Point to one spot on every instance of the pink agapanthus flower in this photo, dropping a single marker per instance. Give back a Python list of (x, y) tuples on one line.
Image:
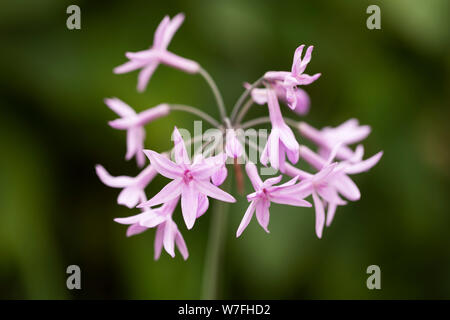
[(190, 180), (167, 233), (290, 80), (265, 193), (148, 60), (281, 141), (347, 133), (133, 187), (134, 124)]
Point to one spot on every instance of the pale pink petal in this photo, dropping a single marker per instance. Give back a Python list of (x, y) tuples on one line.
[(130, 196), (271, 181), (189, 204), (145, 74), (133, 219), (110, 181), (135, 229), (129, 66), (172, 27), (252, 173), (170, 230), (364, 165), (203, 204), (330, 213), (212, 191), (306, 79), (163, 165), (169, 192), (320, 215), (159, 241), (160, 32), (347, 187), (151, 221), (246, 219), (180, 153), (119, 107), (292, 200), (219, 176), (262, 213), (181, 245), (178, 62)]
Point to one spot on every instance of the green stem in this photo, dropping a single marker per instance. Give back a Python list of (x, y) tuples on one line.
[(214, 251), (216, 92)]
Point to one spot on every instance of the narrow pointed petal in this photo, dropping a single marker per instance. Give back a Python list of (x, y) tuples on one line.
[(203, 204), (347, 187), (160, 32), (130, 197), (219, 176), (163, 165), (133, 219), (170, 230), (330, 213), (246, 219), (135, 229), (119, 107), (364, 165), (178, 62), (212, 191), (189, 204), (169, 192), (252, 173), (181, 245), (145, 74), (262, 214), (159, 241), (171, 29), (320, 215), (180, 153), (291, 200), (110, 181)]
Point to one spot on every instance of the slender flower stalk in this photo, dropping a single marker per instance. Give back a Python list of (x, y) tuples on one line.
[(204, 175)]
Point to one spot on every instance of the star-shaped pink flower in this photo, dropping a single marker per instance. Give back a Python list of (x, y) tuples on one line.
[(133, 187), (290, 80), (190, 180), (265, 193), (134, 124), (148, 60), (167, 233)]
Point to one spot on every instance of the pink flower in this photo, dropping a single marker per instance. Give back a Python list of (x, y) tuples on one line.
[(265, 193), (348, 133), (190, 180), (330, 181), (290, 80), (167, 233), (134, 124), (148, 60), (233, 146), (301, 107), (281, 141), (133, 187)]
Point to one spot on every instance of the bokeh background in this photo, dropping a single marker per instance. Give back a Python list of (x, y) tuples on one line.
[(54, 211)]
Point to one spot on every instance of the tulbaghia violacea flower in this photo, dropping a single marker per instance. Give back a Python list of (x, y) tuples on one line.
[(134, 124), (290, 80), (167, 233), (348, 133), (190, 180), (302, 104), (328, 183), (133, 187), (281, 141), (233, 147), (265, 193), (148, 60)]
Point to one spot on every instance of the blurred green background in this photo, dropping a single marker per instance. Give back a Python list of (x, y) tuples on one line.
[(54, 211)]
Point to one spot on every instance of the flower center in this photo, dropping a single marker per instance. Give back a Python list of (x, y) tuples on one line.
[(187, 176)]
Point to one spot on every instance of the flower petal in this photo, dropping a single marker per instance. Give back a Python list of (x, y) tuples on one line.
[(135, 229), (212, 191), (364, 165), (119, 107), (159, 241), (170, 229), (181, 245), (262, 213), (189, 204), (169, 192), (163, 165), (110, 181), (246, 219), (320, 215)]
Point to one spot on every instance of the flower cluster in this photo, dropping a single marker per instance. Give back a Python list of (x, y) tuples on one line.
[(198, 177)]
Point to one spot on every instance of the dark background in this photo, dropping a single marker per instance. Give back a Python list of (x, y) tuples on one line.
[(53, 130)]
